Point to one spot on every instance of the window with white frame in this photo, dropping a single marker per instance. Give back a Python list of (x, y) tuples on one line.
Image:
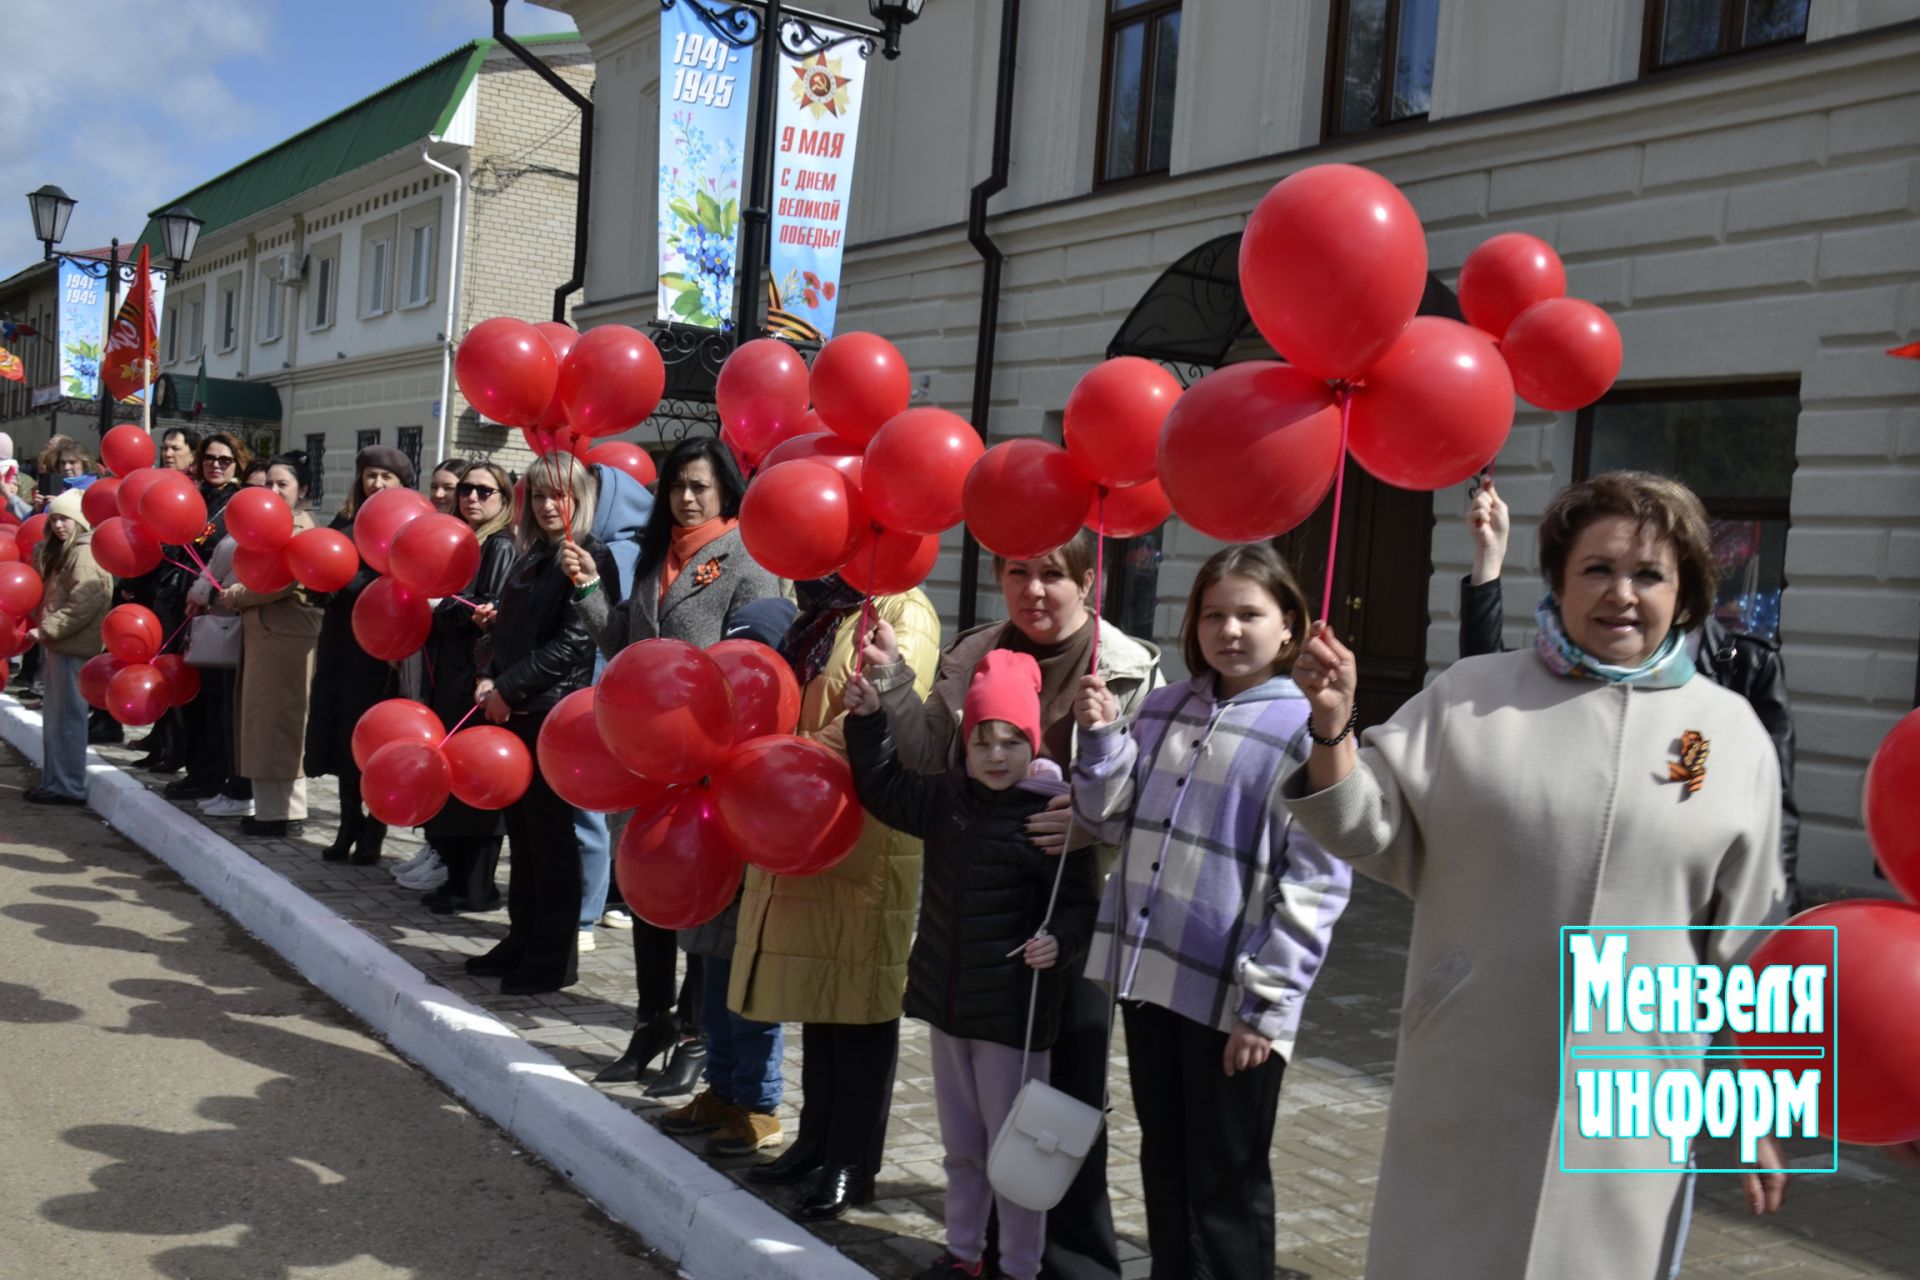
[(325, 284), (377, 242), (419, 265), (196, 334), (172, 327), (271, 300), (229, 313)]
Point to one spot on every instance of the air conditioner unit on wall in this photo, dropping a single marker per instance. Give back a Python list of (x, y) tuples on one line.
[(289, 268)]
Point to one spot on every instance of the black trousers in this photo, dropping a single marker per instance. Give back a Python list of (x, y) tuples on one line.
[(471, 864), (207, 725), (846, 1077), (1204, 1148), (543, 895), (1080, 1240), (656, 957)]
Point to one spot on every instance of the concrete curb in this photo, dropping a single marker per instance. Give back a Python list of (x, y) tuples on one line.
[(691, 1213)]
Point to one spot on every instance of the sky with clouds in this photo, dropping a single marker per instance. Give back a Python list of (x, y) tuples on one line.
[(126, 104)]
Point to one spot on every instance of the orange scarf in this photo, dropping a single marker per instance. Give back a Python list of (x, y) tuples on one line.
[(687, 542)]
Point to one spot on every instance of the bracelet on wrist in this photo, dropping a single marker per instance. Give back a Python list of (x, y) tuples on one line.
[(1343, 735)]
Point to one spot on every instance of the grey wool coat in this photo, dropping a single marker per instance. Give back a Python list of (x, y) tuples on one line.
[(1508, 801)]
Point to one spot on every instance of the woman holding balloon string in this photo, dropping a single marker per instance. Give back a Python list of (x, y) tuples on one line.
[(75, 597), (346, 679), (206, 722), (1048, 618), (163, 589), (541, 651), (1595, 780), (279, 630), (468, 839), (693, 575)]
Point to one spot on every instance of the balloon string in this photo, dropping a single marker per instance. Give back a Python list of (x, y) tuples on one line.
[(175, 636), (868, 615), (1345, 396), (463, 722), (201, 572), (1099, 571), (463, 600)]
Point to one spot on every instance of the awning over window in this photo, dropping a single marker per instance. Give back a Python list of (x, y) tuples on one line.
[(226, 398)]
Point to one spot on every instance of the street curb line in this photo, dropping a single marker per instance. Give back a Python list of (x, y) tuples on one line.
[(711, 1227)]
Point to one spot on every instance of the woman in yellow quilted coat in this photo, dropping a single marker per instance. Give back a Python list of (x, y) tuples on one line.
[(830, 950)]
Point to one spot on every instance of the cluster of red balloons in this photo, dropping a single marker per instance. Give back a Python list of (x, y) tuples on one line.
[(1872, 998), (700, 744), (20, 593), (133, 681), (420, 555), (410, 764)]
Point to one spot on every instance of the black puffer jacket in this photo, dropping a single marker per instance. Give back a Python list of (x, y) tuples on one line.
[(347, 680), (453, 653), (1746, 665), (541, 649), (984, 890)]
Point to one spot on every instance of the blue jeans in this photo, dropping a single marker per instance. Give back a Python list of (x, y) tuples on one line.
[(596, 864), (63, 727), (743, 1056)]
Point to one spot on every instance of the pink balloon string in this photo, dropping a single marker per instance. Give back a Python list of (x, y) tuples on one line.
[(868, 614), (1099, 572), (463, 600), (463, 722), (201, 572), (175, 636), (1344, 394)]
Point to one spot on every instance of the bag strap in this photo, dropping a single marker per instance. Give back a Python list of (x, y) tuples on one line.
[(1033, 997)]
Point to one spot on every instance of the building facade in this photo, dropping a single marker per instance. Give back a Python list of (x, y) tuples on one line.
[(1741, 194)]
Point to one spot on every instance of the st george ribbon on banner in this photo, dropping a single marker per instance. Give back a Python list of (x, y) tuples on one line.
[(704, 91), (816, 128)]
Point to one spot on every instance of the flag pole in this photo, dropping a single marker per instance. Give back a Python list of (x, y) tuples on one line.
[(147, 371)]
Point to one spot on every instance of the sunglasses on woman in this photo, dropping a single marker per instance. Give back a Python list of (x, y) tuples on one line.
[(219, 459), (480, 491)]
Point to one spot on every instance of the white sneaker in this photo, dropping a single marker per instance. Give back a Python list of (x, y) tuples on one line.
[(586, 940), (617, 919), (225, 807), (430, 876), (210, 801), (416, 862)]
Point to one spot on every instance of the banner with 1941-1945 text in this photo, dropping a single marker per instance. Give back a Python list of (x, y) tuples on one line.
[(704, 92)]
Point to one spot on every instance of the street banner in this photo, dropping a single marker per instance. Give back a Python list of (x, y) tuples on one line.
[(704, 83), (83, 325), (816, 128), (132, 356)]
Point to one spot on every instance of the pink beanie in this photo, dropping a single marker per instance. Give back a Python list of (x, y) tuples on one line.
[(1006, 686)]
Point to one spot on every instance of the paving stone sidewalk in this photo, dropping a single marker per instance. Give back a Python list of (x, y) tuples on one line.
[(1862, 1221)]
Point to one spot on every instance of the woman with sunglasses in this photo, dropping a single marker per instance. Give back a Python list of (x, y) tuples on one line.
[(468, 839)]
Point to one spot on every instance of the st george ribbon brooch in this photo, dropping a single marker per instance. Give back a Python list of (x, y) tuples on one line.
[(1691, 767)]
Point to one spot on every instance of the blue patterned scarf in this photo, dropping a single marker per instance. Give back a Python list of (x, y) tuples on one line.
[(1670, 666)]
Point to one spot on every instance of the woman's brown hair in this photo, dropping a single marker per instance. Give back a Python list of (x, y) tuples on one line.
[(1076, 557), (502, 520), (1657, 505), (242, 457), (1261, 565)]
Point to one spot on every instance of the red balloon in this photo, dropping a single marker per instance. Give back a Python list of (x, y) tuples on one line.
[(258, 519), (1435, 409), (560, 337), (394, 720), (132, 633), (1890, 805), (1505, 276), (100, 502), (802, 519), (625, 456), (21, 589), (578, 766), (766, 696), (12, 635), (405, 783), (389, 621), (860, 380), (262, 571), (435, 556), (1564, 353), (1025, 498), (126, 449), (124, 548), (490, 766), (173, 510), (183, 681), (1870, 1009), (132, 490), (137, 694), (675, 867), (761, 395), (788, 805), (1129, 512), (28, 535), (916, 470), (887, 563), (1113, 419), (1333, 264), (96, 675), (322, 559), (9, 548), (664, 710), (506, 370), (611, 380), (838, 452), (1249, 450), (380, 519)]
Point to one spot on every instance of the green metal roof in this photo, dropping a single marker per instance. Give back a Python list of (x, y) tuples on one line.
[(405, 112)]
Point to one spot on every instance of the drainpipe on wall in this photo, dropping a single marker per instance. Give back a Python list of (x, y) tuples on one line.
[(453, 291), (585, 193), (994, 183)]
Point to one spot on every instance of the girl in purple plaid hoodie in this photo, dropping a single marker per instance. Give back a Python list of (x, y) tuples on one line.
[(1218, 918)]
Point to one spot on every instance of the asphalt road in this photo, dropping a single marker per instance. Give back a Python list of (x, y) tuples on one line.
[(175, 1101)]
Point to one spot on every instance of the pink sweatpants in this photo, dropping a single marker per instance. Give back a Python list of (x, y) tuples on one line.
[(974, 1083)]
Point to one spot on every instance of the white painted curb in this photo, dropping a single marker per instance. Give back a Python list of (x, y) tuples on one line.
[(688, 1211)]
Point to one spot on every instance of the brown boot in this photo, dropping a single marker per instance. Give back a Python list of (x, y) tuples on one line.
[(707, 1111), (744, 1133)]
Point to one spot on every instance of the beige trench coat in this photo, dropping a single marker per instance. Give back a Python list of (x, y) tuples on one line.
[(1507, 801), (278, 635)]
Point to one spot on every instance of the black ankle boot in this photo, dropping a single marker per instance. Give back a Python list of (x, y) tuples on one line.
[(838, 1189), (343, 839), (682, 1071), (650, 1040), (795, 1164), (366, 848)]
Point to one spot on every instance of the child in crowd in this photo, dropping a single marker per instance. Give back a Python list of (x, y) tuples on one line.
[(77, 596), (1216, 923), (984, 929)]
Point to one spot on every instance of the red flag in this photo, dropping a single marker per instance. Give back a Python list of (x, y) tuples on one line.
[(133, 348), (10, 366)]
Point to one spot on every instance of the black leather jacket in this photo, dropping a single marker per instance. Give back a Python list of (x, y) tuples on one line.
[(541, 649), (1747, 665)]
